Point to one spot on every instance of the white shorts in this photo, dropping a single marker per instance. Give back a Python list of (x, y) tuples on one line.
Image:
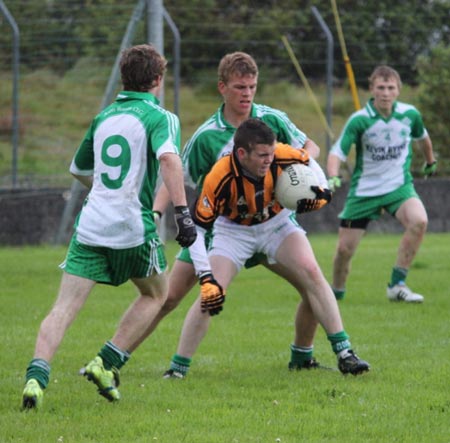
[(239, 242)]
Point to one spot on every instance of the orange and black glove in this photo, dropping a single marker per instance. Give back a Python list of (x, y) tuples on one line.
[(323, 197), (211, 293)]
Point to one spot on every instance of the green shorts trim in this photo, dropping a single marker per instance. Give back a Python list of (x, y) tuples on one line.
[(185, 256), (372, 207), (255, 260), (115, 266)]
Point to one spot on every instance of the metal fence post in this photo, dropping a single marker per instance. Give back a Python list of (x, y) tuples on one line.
[(15, 91), (330, 64), (77, 188)]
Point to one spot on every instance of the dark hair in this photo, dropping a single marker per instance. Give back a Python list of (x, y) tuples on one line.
[(253, 132), (140, 67)]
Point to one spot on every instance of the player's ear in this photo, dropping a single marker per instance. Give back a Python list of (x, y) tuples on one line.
[(240, 152), (221, 87), (156, 86)]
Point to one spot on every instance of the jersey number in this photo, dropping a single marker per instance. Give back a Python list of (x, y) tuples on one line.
[(122, 160)]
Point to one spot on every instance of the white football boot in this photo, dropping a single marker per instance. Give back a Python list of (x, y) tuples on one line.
[(401, 292)]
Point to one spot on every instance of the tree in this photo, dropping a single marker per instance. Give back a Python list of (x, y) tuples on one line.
[(389, 32), (56, 34), (47, 34), (434, 79)]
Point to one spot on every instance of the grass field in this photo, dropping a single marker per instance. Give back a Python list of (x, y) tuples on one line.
[(239, 389)]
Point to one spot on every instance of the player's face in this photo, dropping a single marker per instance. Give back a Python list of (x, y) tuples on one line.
[(384, 92), (238, 94), (257, 162)]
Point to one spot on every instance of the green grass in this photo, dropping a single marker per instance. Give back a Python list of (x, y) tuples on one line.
[(239, 388)]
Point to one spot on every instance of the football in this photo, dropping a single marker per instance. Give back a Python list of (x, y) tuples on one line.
[(294, 183)]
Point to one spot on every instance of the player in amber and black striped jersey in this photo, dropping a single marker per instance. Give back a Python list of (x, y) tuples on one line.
[(231, 191), (237, 84), (238, 198)]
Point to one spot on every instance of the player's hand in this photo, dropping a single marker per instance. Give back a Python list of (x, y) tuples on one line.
[(323, 196), (186, 231), (429, 169), (334, 182), (157, 218), (211, 293)]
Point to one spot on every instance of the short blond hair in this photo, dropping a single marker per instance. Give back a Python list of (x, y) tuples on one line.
[(385, 72), (239, 63)]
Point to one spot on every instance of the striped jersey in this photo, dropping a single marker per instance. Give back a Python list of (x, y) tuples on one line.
[(383, 148), (230, 192), (214, 139), (121, 150)]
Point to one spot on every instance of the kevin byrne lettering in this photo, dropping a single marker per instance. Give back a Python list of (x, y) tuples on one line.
[(380, 153)]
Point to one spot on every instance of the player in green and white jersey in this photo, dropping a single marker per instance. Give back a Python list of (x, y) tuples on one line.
[(237, 83), (382, 133), (214, 139), (121, 151), (115, 237)]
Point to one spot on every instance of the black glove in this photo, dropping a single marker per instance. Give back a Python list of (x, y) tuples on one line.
[(323, 196), (186, 231), (211, 293)]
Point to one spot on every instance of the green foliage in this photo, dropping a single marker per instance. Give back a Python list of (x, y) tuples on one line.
[(239, 389), (57, 33), (375, 32), (388, 32), (54, 36), (434, 93)]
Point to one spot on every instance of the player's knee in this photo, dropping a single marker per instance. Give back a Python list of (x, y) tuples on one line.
[(155, 298), (172, 301), (313, 272), (419, 225), (344, 251)]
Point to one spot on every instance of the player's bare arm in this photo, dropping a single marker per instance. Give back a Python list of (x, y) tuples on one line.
[(171, 170), (162, 199), (426, 146), (312, 148), (333, 165)]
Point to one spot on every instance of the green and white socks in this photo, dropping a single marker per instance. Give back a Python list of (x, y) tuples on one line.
[(398, 276), (180, 364), (300, 355), (113, 356), (39, 369), (339, 293), (340, 343)]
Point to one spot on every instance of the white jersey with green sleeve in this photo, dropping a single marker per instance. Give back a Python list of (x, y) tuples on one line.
[(121, 150), (383, 148), (214, 139)]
